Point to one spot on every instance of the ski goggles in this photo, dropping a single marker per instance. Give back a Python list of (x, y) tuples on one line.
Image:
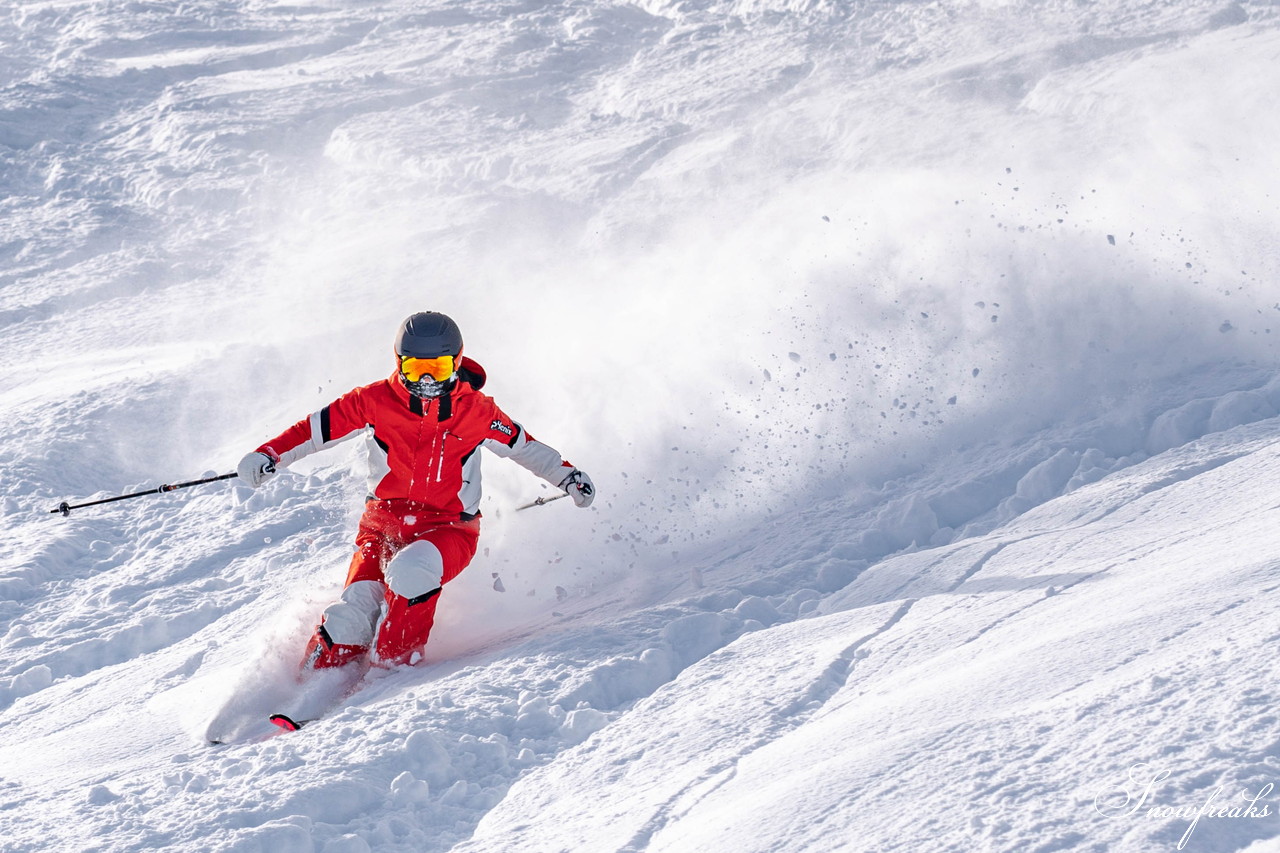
[(416, 369)]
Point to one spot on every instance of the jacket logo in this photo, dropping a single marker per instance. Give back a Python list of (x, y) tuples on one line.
[(502, 428)]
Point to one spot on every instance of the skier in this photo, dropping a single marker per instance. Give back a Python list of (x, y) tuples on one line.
[(421, 520)]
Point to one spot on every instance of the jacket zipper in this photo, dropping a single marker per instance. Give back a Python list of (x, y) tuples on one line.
[(444, 434), (417, 450)]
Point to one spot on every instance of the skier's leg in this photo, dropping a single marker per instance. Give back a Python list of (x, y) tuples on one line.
[(415, 576), (405, 628), (346, 630)]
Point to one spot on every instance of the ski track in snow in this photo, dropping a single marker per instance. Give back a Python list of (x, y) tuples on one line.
[(923, 355)]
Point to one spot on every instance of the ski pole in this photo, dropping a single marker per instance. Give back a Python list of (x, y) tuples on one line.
[(541, 501), (65, 508)]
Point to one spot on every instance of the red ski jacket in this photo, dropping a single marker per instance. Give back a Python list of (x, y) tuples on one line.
[(422, 450)]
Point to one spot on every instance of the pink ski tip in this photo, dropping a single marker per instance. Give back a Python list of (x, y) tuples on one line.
[(285, 723)]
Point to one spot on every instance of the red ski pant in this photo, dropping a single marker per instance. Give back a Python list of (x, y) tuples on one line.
[(386, 527)]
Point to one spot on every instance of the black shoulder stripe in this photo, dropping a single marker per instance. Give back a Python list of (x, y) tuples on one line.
[(325, 432), (515, 436)]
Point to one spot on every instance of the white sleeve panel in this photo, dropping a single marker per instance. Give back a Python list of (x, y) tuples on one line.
[(542, 459), (314, 442)]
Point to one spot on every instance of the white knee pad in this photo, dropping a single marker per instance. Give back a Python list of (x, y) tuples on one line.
[(349, 621), (415, 570)]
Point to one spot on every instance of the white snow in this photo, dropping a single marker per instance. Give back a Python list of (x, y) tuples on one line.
[(924, 356)]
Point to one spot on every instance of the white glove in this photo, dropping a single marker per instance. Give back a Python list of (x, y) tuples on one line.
[(579, 487), (255, 468)]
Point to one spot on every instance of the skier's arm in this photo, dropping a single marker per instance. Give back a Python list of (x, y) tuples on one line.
[(508, 439), (322, 429)]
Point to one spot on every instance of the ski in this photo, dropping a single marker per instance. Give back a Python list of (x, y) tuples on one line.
[(280, 723), (257, 711), (287, 723)]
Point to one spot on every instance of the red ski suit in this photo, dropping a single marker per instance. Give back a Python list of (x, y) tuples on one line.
[(424, 486)]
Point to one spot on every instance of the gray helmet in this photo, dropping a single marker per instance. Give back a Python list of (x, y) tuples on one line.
[(429, 334)]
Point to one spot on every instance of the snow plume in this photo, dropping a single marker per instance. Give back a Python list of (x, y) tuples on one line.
[(719, 305)]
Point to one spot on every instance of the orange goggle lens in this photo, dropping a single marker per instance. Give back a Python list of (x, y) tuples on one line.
[(414, 369)]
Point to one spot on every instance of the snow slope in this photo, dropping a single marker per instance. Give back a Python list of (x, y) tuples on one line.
[(923, 355)]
